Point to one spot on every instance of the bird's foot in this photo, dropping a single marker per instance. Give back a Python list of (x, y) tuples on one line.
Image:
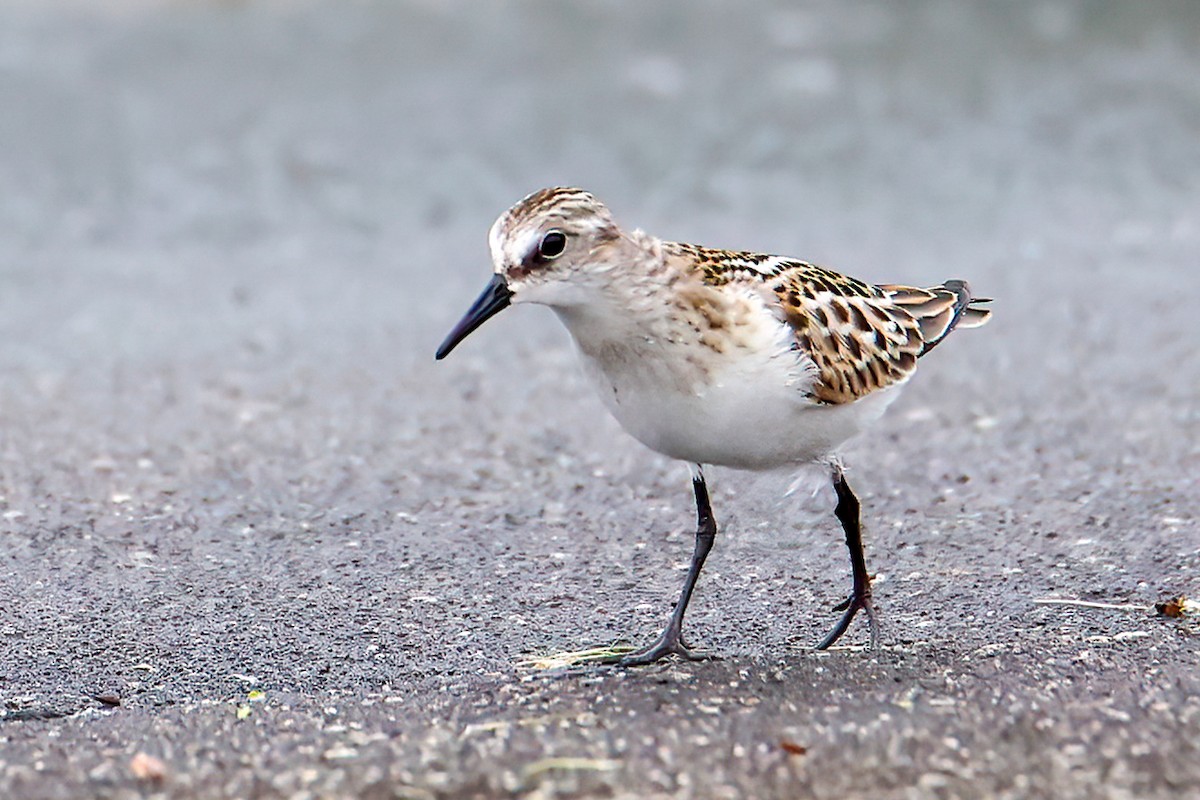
[(668, 644), (858, 600)]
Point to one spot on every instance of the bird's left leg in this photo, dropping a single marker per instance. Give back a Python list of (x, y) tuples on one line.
[(671, 640), (847, 512)]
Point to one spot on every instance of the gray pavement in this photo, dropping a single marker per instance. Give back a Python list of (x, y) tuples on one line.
[(238, 496)]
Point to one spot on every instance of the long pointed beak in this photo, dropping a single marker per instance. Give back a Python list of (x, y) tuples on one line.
[(495, 298)]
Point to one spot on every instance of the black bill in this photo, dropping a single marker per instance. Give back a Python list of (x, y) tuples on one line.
[(495, 298)]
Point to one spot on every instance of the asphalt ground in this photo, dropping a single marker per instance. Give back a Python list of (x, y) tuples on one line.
[(254, 542)]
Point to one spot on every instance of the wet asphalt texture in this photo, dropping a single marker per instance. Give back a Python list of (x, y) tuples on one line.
[(250, 529)]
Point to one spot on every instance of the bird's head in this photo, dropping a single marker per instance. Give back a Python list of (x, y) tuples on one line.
[(550, 248)]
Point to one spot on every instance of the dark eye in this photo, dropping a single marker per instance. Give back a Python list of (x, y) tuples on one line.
[(552, 245)]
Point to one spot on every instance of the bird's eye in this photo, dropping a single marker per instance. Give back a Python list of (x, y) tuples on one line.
[(552, 245)]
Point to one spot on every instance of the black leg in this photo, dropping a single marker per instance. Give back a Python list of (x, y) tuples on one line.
[(847, 512), (671, 640)]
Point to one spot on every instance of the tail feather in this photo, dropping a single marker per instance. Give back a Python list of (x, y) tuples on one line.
[(973, 316), (940, 309)]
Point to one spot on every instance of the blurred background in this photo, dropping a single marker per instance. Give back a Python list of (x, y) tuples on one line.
[(219, 179), (215, 211)]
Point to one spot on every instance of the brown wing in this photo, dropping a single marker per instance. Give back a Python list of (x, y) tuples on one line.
[(861, 337), (864, 338)]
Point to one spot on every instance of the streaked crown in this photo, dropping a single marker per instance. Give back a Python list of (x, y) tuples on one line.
[(546, 234)]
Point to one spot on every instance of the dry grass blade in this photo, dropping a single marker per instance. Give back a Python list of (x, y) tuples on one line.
[(1057, 601), (545, 765), (1174, 607), (573, 658)]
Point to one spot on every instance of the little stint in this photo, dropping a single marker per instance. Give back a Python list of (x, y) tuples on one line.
[(716, 357)]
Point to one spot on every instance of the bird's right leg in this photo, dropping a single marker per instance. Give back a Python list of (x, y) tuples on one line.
[(847, 512)]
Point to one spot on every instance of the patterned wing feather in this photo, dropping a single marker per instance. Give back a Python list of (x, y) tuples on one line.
[(861, 337), (860, 342)]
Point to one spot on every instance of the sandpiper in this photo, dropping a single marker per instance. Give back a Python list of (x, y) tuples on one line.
[(716, 357)]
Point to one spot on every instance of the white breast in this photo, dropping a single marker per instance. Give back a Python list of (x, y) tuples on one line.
[(738, 399)]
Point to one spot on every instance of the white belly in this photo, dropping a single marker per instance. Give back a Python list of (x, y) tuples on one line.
[(744, 409)]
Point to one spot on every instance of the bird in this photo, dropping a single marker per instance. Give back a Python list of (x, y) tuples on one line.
[(719, 358)]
